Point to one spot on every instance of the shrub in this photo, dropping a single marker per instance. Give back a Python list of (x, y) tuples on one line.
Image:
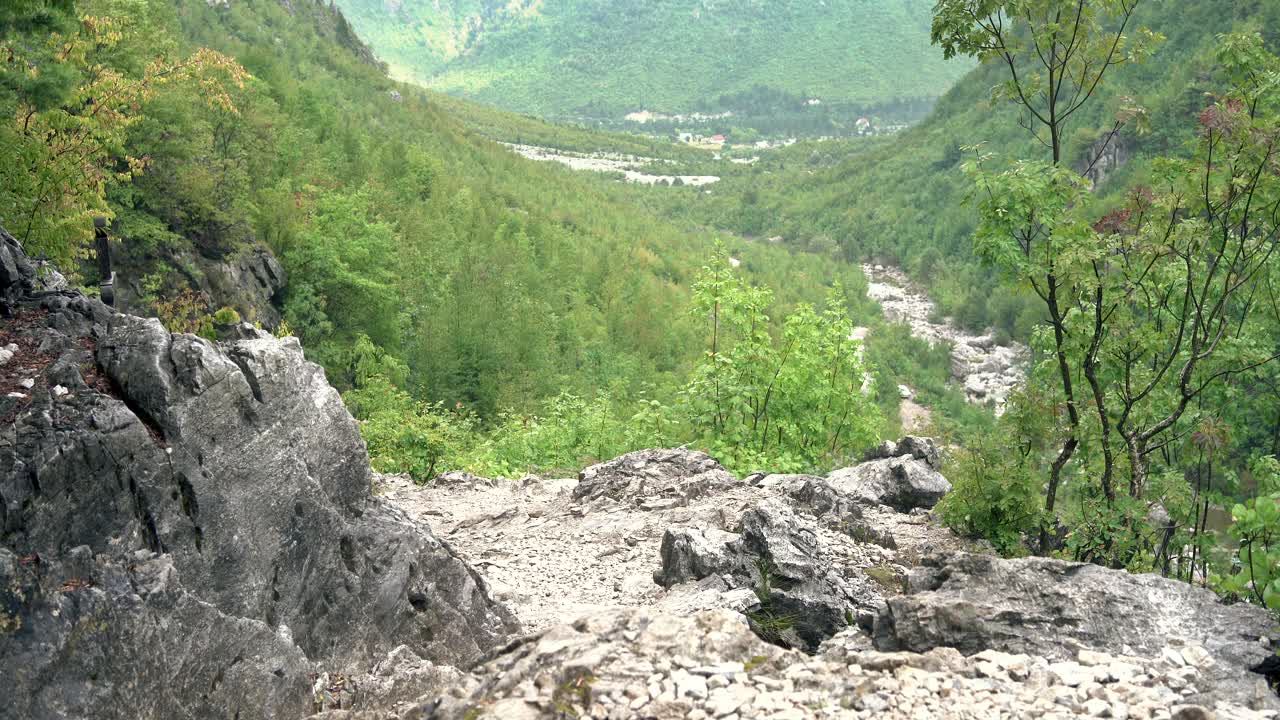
[(995, 493), (1256, 527), (226, 316)]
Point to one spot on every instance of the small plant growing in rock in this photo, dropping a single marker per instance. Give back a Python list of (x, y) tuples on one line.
[(771, 626), (886, 577), (226, 316), (572, 693), (9, 623)]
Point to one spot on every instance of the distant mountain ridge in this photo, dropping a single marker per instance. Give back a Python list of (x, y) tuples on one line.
[(602, 58)]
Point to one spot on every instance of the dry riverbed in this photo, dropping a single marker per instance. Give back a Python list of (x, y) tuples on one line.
[(632, 167), (986, 370)]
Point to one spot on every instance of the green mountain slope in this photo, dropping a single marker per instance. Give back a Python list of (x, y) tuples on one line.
[(604, 59), (903, 199), (417, 249)]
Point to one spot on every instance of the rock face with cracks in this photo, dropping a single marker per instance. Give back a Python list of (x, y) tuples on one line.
[(187, 529), (904, 482), (1057, 609)]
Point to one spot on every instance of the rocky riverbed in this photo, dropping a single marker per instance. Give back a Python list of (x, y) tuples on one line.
[(629, 165), (986, 370)]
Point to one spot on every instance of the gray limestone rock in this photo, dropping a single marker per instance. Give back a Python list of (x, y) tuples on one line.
[(226, 540), (690, 554), (1055, 608), (903, 483), (648, 475), (17, 275), (802, 596)]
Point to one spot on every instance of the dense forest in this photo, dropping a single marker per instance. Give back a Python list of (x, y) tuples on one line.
[(599, 60)]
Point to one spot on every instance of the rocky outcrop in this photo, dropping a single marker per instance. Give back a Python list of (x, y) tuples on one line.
[(902, 475), (692, 553), (650, 665), (788, 562), (1105, 156), (17, 276), (655, 477), (1059, 610), (187, 529), (802, 593), (249, 281), (920, 448)]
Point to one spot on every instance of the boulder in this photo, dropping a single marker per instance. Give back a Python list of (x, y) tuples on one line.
[(797, 584), (815, 496), (204, 513), (690, 554), (920, 448), (17, 275), (903, 483), (801, 596), (647, 475), (1057, 609)]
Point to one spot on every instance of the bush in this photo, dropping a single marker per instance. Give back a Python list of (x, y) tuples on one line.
[(995, 495), (226, 316), (1256, 527), (408, 436)]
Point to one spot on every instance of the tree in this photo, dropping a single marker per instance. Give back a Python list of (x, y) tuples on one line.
[(1057, 53), (791, 402), (1152, 306), (72, 97)]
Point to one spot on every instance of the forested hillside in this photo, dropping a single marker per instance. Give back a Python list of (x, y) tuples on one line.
[(451, 287), (904, 199), (603, 59)]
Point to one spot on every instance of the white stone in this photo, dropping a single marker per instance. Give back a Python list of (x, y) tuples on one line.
[(1172, 657), (1070, 673), (875, 703), (1122, 671), (1196, 656), (691, 686), (727, 700), (1090, 658)]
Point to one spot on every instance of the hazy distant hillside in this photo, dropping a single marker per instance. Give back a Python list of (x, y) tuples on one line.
[(604, 58), (902, 199)]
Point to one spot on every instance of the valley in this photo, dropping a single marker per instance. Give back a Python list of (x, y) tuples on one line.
[(706, 359), (811, 67)]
